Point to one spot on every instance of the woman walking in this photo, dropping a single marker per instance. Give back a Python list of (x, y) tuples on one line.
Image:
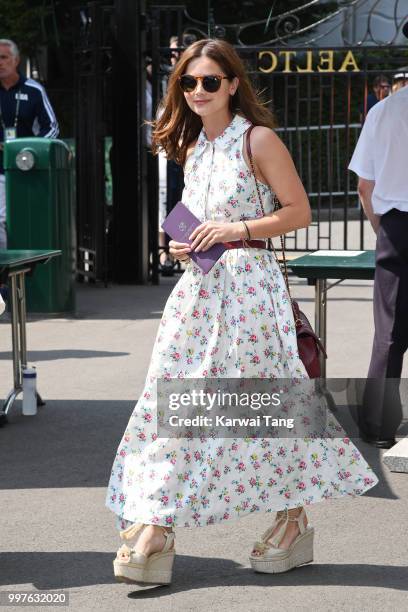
[(236, 321)]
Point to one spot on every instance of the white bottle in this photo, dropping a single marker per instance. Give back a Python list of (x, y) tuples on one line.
[(29, 392)]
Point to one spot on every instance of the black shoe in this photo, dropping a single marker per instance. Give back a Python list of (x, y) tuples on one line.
[(376, 441), (167, 268)]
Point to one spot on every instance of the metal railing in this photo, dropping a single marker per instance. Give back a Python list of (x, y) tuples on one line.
[(301, 140), (321, 154)]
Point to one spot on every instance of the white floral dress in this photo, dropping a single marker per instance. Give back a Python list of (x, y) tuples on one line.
[(236, 321)]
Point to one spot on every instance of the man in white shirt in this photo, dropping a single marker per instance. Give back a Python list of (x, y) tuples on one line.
[(381, 162)]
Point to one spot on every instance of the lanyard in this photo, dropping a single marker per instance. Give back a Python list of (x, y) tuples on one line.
[(16, 115)]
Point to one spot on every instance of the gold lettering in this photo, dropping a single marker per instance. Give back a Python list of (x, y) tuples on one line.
[(328, 60), (287, 55), (349, 60), (274, 61), (309, 65)]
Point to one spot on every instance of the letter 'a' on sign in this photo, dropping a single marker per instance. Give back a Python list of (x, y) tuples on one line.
[(349, 60)]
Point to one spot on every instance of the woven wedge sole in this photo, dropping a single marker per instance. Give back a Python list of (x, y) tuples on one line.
[(276, 561)]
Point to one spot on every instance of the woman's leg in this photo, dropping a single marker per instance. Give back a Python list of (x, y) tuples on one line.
[(151, 539), (291, 532)]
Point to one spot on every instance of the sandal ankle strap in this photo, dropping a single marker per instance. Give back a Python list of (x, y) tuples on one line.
[(299, 520), (169, 540), (280, 515)]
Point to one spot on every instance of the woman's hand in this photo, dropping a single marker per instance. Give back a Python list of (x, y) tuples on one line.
[(209, 233), (179, 250)]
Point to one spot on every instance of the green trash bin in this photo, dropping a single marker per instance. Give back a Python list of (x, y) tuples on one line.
[(40, 215)]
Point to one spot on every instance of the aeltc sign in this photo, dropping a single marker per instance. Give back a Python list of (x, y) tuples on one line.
[(311, 61)]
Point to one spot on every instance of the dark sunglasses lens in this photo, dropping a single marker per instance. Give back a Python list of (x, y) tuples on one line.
[(211, 83), (188, 83)]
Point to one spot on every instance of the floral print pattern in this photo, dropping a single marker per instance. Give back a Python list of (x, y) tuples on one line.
[(236, 321)]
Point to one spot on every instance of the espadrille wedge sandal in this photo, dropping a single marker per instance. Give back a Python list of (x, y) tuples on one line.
[(132, 566), (273, 560)]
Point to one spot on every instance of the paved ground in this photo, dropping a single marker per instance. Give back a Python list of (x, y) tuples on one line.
[(57, 534)]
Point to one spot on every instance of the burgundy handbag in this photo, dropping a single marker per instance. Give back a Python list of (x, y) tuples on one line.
[(309, 344)]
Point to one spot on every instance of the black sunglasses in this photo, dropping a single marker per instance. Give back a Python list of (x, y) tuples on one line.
[(210, 82)]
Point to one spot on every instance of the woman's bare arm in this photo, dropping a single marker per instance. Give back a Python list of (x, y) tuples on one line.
[(274, 166)]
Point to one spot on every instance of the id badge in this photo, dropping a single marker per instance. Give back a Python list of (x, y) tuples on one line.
[(10, 133)]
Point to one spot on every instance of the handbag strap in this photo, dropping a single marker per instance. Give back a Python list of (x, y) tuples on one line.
[(276, 207)]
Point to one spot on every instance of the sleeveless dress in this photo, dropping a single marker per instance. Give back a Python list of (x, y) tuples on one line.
[(236, 321)]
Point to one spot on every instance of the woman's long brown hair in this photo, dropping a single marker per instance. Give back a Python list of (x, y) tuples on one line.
[(178, 126)]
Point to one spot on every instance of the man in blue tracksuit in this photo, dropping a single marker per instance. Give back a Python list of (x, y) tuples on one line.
[(25, 110)]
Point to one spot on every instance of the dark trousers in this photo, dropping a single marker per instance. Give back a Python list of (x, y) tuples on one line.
[(382, 413)]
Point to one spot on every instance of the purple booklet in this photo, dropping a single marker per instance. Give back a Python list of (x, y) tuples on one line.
[(179, 224)]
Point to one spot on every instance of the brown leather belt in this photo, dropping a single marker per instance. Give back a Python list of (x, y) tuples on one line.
[(242, 244)]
